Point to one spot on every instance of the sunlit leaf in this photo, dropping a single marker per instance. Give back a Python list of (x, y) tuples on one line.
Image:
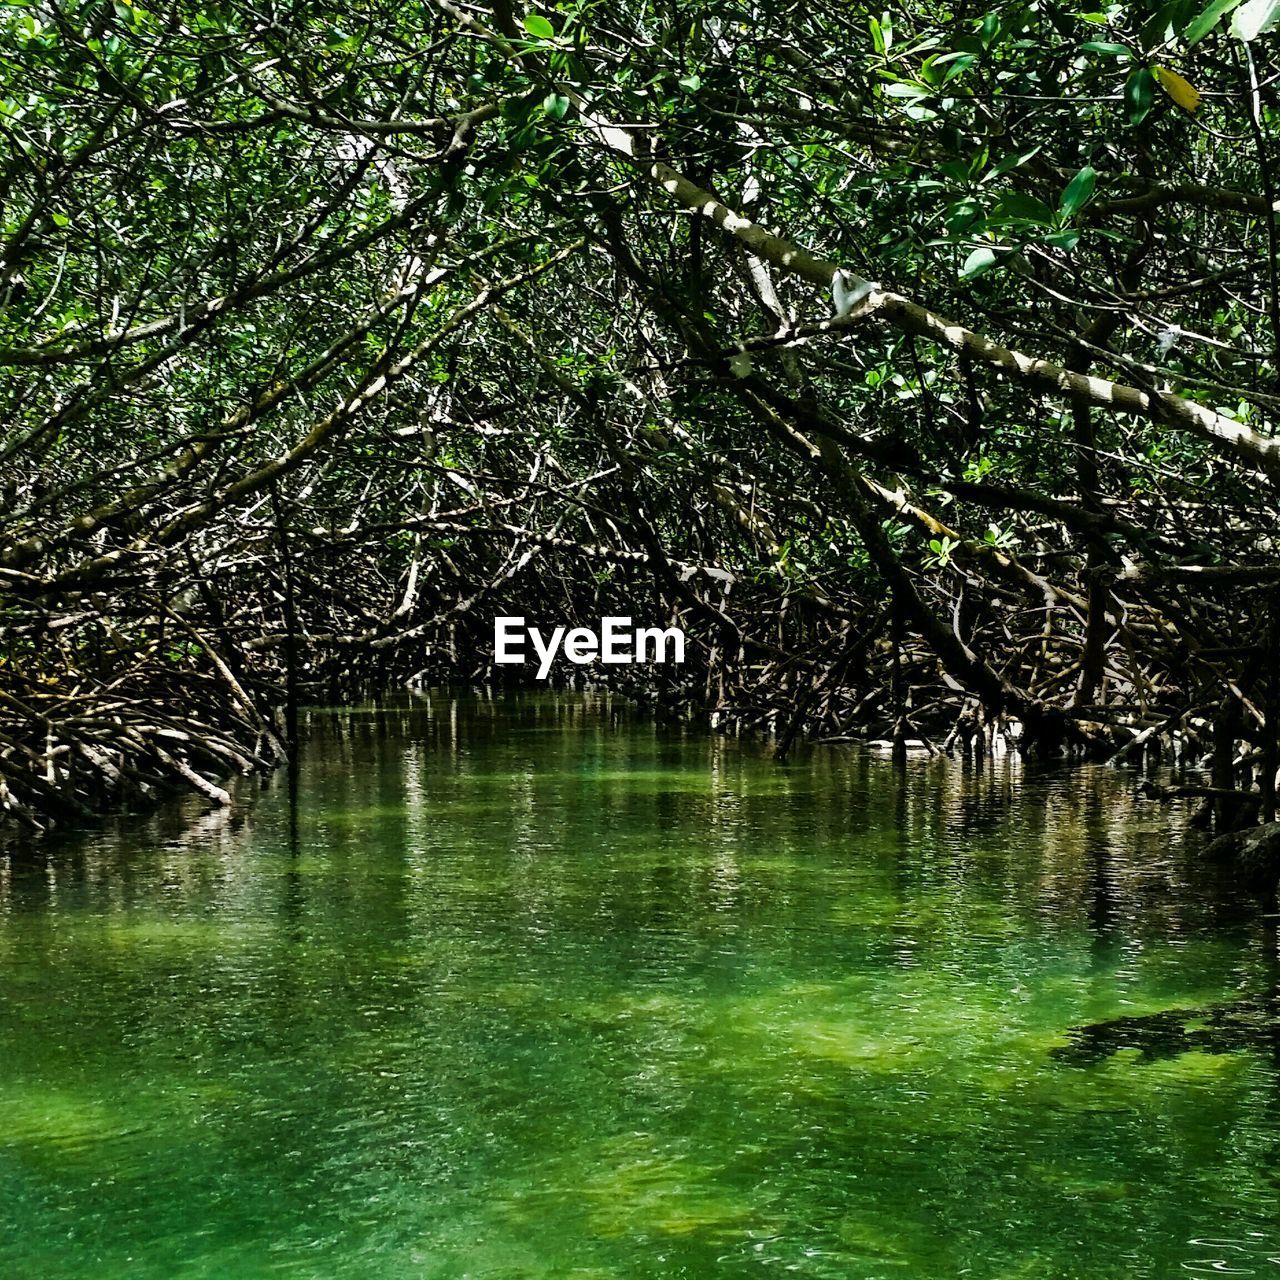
[(903, 90), (959, 66), (977, 262), (555, 105), (538, 27), (1066, 240), (1255, 17), (1186, 95), (1200, 27)]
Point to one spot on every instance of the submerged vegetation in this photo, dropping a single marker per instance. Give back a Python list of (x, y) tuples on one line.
[(527, 988), (922, 365)]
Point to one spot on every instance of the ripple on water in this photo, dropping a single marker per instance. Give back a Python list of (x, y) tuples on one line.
[(513, 992)]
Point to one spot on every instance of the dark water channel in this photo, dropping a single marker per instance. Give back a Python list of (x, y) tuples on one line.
[(533, 989)]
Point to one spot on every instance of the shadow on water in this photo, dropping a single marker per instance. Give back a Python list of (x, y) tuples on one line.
[(531, 987)]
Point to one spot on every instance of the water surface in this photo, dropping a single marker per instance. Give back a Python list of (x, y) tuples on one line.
[(531, 988)]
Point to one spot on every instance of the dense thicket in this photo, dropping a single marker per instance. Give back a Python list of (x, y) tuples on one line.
[(331, 332)]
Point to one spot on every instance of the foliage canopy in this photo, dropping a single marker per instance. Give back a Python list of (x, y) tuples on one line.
[(332, 331)]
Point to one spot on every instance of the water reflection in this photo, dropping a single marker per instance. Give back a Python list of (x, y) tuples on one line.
[(530, 987)]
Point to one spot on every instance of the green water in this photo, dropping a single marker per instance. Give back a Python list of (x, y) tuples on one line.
[(533, 989)]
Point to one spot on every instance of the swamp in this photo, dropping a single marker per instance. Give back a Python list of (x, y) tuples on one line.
[(639, 639), (529, 987)]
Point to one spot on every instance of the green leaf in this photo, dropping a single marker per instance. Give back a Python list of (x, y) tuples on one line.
[(1158, 29), (538, 27), (691, 83), (554, 106), (962, 215), (1018, 206), (1139, 93), (1110, 50), (1009, 162), (1066, 240), (904, 90), (1200, 27), (1078, 193), (977, 262)]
